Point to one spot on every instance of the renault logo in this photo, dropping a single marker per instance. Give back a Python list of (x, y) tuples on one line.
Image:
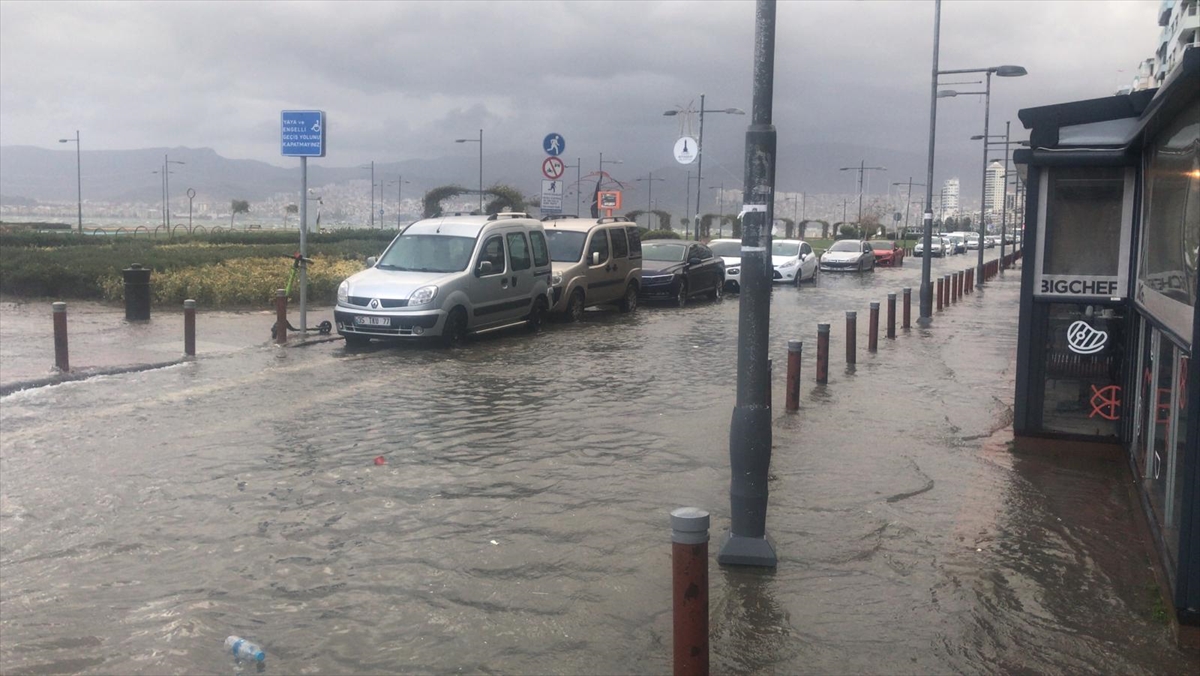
[(374, 303)]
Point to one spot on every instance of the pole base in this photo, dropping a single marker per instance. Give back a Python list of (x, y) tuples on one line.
[(739, 550)]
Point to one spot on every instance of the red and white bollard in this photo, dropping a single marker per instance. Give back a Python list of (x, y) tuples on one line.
[(689, 583)]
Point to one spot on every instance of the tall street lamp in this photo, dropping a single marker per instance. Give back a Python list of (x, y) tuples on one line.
[(649, 179), (861, 168), (78, 175), (399, 183), (578, 185), (162, 193), (1000, 71), (371, 213), (1004, 192), (167, 190), (908, 200), (700, 141), (480, 142), (600, 178)]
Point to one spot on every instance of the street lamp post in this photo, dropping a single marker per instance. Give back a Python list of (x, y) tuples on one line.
[(1004, 193), (480, 142), (78, 175), (191, 195), (721, 208), (650, 196), (576, 167), (861, 168), (700, 142), (600, 178), (167, 191), (399, 183), (908, 200)]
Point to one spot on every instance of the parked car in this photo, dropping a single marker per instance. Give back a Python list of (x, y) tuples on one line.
[(447, 277), (935, 247), (887, 252), (793, 260), (958, 243), (678, 269), (991, 241), (596, 261), (730, 251), (973, 241), (849, 254), (947, 245)]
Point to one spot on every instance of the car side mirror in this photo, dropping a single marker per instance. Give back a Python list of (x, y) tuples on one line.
[(371, 261), (485, 268), (694, 261), (595, 258)]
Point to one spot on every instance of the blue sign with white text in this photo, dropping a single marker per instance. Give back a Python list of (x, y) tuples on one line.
[(554, 144), (302, 133)]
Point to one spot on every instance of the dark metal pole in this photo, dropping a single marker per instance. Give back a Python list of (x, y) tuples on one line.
[(927, 258), (370, 216), (167, 192), (851, 337), (873, 328), (62, 360), (750, 428), (189, 328), (891, 316), (579, 185), (907, 321), (987, 102), (699, 164), (795, 347), (79, 179), (399, 189), (1004, 196), (687, 202), (481, 171), (861, 165)]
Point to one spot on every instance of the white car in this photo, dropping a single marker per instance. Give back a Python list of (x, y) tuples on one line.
[(849, 254), (793, 261), (935, 248), (730, 251)]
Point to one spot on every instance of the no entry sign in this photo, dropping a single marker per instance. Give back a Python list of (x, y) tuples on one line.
[(552, 168)]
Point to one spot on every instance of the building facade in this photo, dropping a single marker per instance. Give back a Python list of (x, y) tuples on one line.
[(1180, 22), (1108, 302), (993, 188), (950, 198)]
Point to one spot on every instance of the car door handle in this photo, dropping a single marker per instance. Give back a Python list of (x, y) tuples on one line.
[(514, 281), (503, 282)]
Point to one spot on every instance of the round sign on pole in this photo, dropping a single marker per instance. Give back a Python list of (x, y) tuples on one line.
[(552, 168), (554, 144), (685, 150)]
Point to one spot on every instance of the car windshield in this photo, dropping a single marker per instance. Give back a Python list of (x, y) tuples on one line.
[(731, 249), (663, 251), (428, 253), (785, 248), (883, 246), (566, 246), (846, 245)]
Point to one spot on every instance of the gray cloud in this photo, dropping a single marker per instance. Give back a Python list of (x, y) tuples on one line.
[(402, 80)]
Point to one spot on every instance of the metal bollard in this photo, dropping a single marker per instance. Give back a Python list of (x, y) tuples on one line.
[(962, 275), (873, 328), (137, 292), (281, 322), (946, 291), (61, 360), (770, 378), (907, 293), (851, 336), (822, 354), (938, 293), (954, 287), (795, 347), (189, 328), (971, 280), (891, 316), (689, 584)]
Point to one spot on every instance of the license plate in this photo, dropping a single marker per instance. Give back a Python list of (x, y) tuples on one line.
[(372, 321)]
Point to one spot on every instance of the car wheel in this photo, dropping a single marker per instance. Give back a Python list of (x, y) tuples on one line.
[(799, 277), (717, 291), (682, 295), (630, 302), (537, 316), (355, 340), (454, 331), (575, 306)]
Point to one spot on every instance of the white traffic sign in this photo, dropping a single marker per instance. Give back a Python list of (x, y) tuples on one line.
[(685, 150), (552, 168), (552, 197)]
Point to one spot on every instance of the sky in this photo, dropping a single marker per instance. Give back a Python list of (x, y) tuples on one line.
[(403, 80)]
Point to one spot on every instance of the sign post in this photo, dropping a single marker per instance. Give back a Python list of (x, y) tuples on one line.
[(302, 134)]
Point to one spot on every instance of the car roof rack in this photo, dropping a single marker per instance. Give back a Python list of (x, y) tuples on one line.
[(557, 217), (614, 219), (511, 214)]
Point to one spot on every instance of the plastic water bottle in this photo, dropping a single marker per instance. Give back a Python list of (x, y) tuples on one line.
[(244, 650)]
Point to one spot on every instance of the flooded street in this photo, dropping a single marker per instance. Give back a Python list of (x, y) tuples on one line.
[(519, 523)]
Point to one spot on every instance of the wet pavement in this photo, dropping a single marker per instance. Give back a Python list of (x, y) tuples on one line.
[(519, 524)]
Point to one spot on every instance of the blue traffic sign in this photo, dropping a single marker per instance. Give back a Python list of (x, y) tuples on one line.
[(302, 133), (554, 144)]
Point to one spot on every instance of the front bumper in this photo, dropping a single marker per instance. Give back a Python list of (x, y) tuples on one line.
[(659, 286), (833, 266), (785, 274), (426, 323)]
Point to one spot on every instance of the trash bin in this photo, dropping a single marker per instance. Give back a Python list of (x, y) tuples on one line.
[(137, 292)]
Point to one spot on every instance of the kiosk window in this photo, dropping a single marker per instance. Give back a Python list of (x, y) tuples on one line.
[(1084, 369), (1083, 221), (1172, 211)]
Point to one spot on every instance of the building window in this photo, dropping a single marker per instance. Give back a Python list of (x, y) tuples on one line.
[(1084, 357), (1171, 223)]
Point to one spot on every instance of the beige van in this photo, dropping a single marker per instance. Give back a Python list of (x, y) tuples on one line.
[(595, 261)]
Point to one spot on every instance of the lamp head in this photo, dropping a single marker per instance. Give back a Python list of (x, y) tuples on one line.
[(1010, 71), (669, 113), (947, 93), (65, 140), (977, 137), (734, 111)]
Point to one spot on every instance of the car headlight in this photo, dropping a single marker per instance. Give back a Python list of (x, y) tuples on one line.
[(789, 264), (556, 279), (734, 271), (344, 292), (422, 295)]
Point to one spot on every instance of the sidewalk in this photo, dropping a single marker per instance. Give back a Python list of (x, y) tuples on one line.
[(100, 339)]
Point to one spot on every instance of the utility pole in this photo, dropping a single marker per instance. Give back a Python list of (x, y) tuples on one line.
[(926, 305), (750, 428)]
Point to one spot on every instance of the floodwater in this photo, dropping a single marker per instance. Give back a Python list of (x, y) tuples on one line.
[(519, 523)]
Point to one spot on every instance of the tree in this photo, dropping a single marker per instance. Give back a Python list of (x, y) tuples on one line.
[(789, 227), (735, 226), (706, 222), (664, 219), (504, 198), (237, 207), (287, 211)]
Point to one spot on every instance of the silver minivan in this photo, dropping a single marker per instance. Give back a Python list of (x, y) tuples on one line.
[(447, 277), (596, 261)]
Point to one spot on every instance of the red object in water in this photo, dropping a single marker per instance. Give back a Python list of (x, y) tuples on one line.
[(380, 460)]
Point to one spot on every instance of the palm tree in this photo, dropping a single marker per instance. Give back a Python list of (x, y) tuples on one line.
[(288, 210), (237, 207)]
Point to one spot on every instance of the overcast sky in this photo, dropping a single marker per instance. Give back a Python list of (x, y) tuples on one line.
[(403, 80)]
